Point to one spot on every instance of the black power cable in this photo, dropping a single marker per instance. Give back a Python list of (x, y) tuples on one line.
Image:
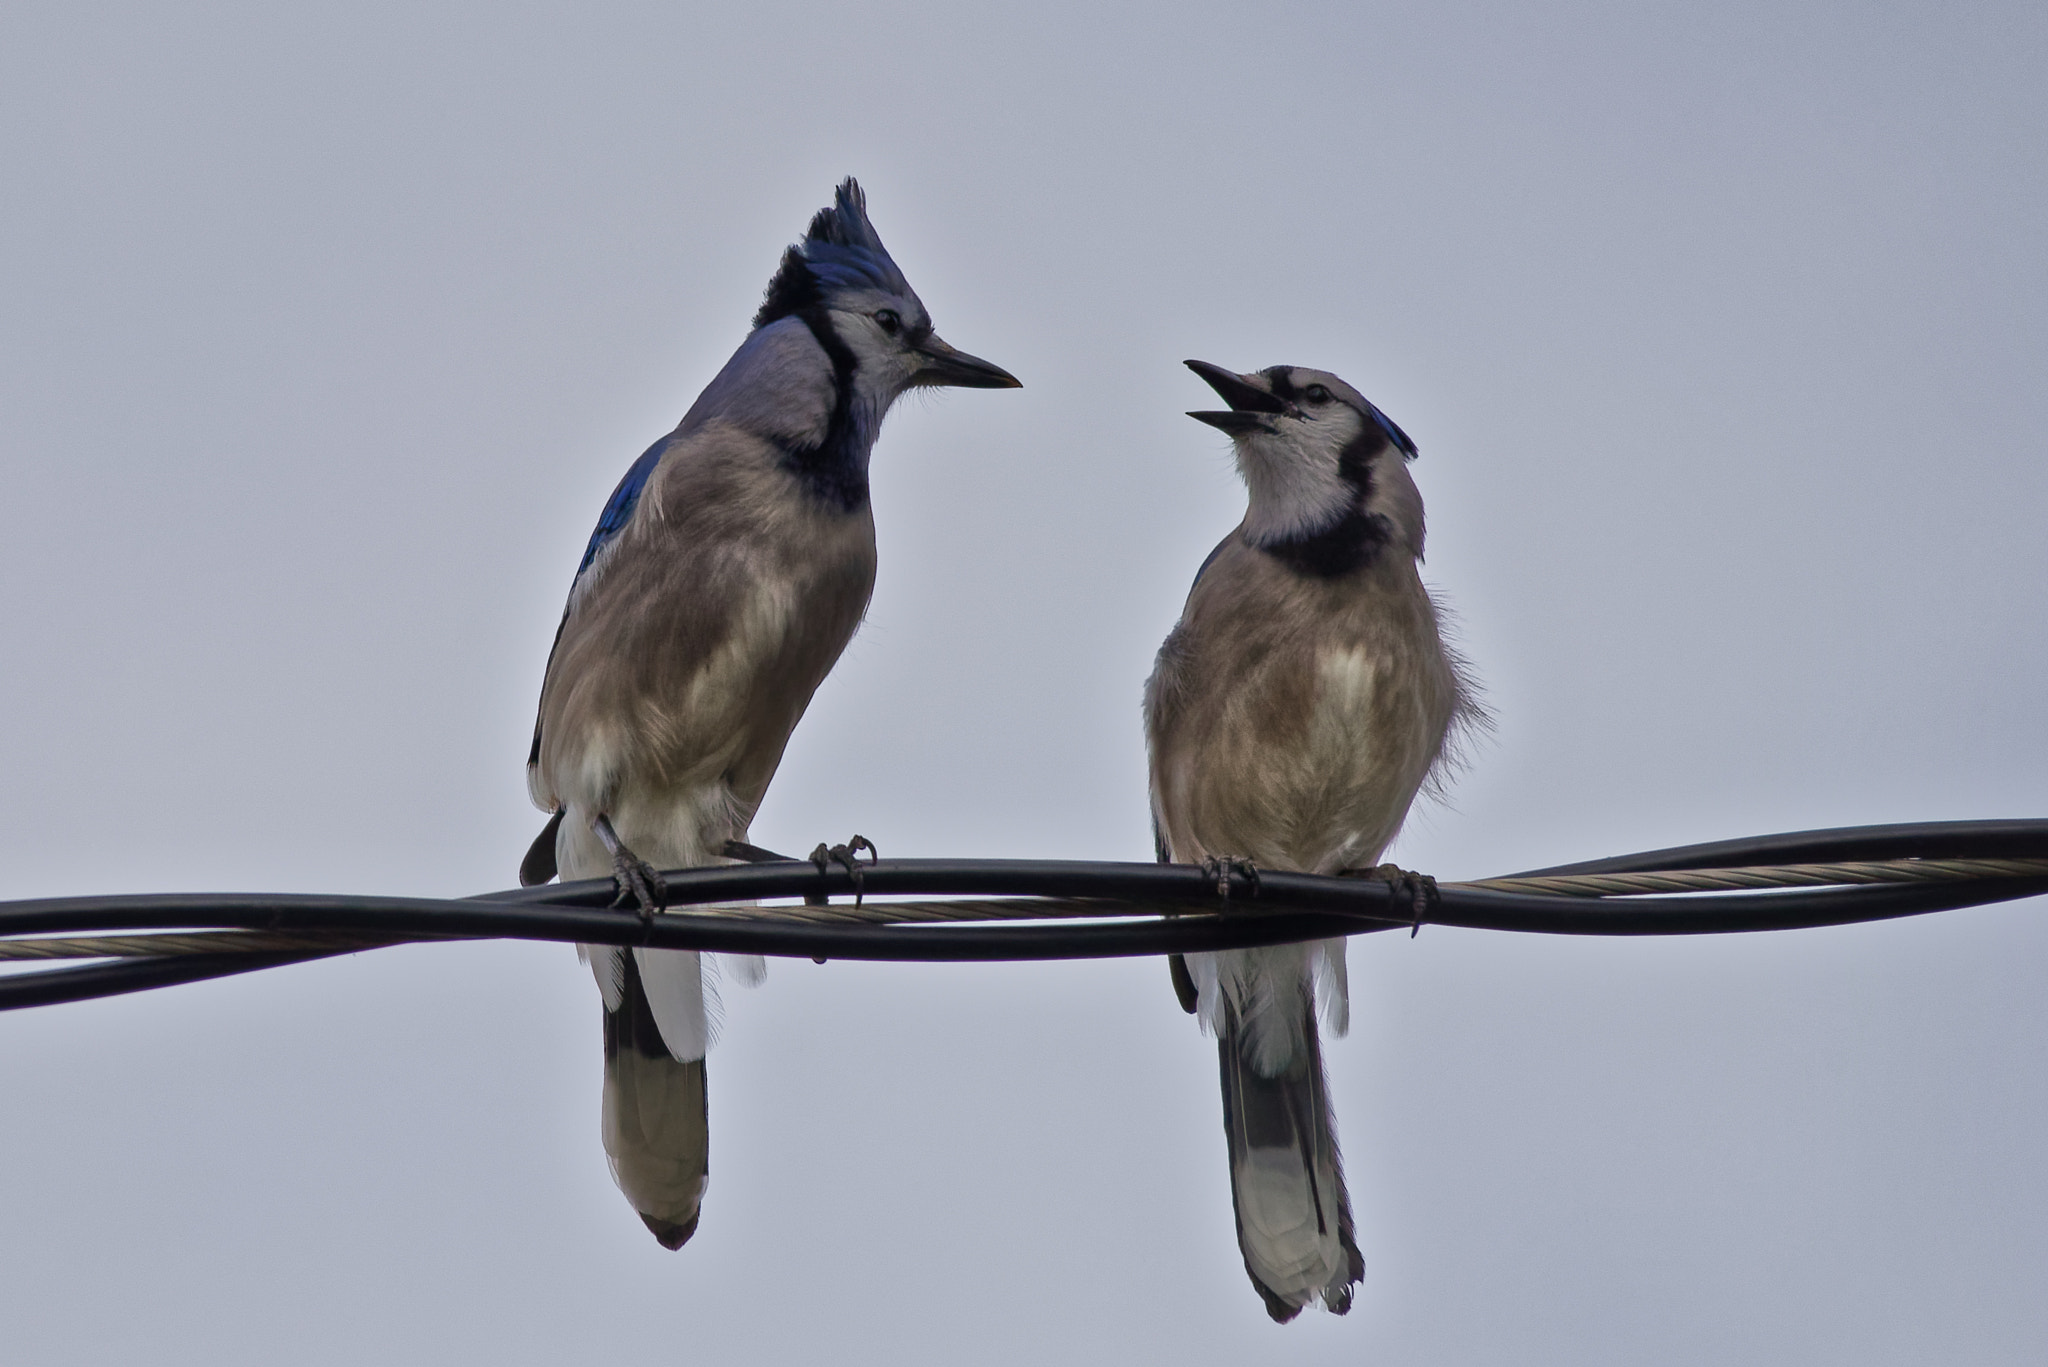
[(1155, 905)]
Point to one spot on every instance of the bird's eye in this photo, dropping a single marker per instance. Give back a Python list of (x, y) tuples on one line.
[(1315, 393), (888, 320)]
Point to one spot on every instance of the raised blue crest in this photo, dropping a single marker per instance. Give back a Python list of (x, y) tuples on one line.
[(840, 252)]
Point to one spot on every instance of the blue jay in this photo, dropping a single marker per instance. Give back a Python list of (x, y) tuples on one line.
[(1302, 701), (728, 571)]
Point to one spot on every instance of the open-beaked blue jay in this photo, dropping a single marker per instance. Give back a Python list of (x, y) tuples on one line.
[(1302, 701), (728, 571)]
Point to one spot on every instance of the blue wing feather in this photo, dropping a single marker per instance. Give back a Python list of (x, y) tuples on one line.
[(618, 510)]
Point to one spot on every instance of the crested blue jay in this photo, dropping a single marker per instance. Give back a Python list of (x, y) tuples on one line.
[(728, 571), (1302, 701)]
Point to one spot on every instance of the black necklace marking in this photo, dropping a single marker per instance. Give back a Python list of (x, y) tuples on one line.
[(831, 469), (1350, 543), (1354, 540)]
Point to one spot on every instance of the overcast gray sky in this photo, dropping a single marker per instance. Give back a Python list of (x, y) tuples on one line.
[(1721, 328)]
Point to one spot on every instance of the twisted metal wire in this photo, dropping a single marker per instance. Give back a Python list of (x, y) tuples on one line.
[(1848, 874), (197, 942)]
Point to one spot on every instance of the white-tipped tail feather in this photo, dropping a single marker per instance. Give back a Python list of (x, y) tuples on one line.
[(1286, 1175), (660, 1017), (655, 1123)]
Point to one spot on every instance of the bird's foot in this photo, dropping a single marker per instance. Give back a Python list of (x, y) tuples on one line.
[(638, 883), (1223, 866), (847, 856), (1419, 888)]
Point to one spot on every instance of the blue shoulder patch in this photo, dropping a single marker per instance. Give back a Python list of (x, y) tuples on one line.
[(618, 510), (1394, 433)]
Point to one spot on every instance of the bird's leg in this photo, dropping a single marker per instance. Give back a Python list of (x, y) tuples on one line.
[(1419, 888), (847, 856), (1221, 866), (637, 880)]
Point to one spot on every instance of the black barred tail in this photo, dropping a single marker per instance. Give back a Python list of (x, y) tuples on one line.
[(1286, 1177), (656, 1124)]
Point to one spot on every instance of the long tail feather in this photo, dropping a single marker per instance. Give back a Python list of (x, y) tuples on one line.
[(1286, 1176), (656, 1125)]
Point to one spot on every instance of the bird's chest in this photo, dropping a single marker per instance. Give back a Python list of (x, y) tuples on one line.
[(763, 617), (1308, 716), (1306, 724), (789, 619)]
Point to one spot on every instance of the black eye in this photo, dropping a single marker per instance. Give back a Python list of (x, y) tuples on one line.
[(888, 321), (1315, 393)]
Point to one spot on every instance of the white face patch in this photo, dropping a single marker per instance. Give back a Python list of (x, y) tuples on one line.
[(884, 361), (1292, 472)]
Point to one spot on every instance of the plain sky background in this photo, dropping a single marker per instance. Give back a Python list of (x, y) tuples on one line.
[(1723, 331)]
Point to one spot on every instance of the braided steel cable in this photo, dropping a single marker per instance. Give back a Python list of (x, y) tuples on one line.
[(1771, 876)]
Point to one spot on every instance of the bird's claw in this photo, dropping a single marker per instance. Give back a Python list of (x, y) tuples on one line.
[(1419, 888), (1222, 866), (639, 884), (847, 856)]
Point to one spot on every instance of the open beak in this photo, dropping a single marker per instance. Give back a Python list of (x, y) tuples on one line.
[(1250, 406), (943, 366)]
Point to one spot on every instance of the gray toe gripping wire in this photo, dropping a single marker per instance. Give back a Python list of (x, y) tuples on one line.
[(959, 910)]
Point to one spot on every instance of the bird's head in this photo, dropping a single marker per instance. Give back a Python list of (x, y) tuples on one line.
[(841, 282), (1312, 450)]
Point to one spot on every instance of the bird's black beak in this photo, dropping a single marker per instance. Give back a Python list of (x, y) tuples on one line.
[(1250, 406), (941, 366)]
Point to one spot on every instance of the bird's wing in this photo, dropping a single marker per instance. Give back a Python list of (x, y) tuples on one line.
[(618, 511)]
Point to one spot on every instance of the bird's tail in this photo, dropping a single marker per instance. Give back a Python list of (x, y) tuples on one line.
[(1286, 1177), (656, 1127)]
